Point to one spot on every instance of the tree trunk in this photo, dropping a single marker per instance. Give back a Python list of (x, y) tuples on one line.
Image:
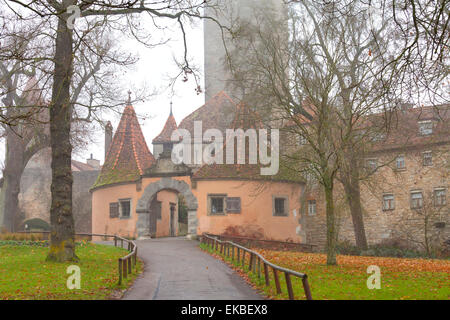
[(331, 226), (353, 194), (9, 196), (62, 245)]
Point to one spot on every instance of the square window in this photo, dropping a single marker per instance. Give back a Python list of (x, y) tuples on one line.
[(233, 205), (114, 210), (311, 207), (279, 206), (401, 162), (427, 158), (416, 199), (388, 202), (125, 208), (440, 197), (425, 128), (216, 204)]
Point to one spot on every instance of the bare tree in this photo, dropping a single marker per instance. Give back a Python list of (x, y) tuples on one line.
[(107, 15), (421, 225)]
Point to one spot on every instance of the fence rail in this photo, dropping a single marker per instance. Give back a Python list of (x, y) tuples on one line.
[(125, 264), (270, 244), (228, 248)]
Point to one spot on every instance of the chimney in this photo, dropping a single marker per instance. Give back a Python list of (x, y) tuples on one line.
[(108, 137), (94, 163)]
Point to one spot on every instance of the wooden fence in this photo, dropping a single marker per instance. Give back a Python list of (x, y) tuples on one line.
[(228, 249), (125, 264)]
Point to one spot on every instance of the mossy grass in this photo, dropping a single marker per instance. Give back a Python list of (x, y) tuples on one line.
[(25, 273), (401, 279)]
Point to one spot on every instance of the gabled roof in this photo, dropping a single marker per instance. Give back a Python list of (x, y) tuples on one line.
[(166, 133), (244, 119), (217, 113), (404, 131), (128, 156), (80, 166)]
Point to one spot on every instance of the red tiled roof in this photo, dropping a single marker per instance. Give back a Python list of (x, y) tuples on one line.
[(404, 132), (216, 113), (80, 166), (128, 155), (245, 119), (166, 133)]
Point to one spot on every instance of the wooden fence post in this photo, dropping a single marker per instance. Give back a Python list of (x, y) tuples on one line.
[(266, 274), (120, 271), (124, 267), (129, 264), (289, 286), (306, 288), (277, 280)]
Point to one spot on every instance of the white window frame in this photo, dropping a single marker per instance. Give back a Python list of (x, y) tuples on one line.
[(312, 207), (397, 162), (390, 198), (444, 197), (426, 128), (420, 206)]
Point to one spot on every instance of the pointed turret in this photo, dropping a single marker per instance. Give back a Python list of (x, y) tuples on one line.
[(162, 142), (128, 156)]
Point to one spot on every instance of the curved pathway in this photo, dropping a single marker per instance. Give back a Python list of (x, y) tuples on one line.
[(176, 268)]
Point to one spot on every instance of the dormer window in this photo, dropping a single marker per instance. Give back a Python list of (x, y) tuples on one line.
[(425, 128)]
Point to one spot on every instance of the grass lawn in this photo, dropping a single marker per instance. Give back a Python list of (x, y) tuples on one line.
[(400, 278), (24, 273)]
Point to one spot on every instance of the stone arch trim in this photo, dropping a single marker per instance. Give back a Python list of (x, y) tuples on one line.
[(142, 208)]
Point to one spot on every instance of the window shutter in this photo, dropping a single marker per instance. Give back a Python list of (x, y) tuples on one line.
[(233, 205), (114, 210)]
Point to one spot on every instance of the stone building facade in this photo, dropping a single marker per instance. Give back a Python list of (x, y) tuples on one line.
[(405, 199)]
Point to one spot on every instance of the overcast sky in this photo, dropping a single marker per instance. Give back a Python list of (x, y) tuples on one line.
[(154, 68)]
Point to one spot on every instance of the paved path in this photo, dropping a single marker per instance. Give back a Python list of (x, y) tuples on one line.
[(176, 268)]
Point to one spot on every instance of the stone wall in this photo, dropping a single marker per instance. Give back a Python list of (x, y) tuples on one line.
[(35, 196), (401, 223)]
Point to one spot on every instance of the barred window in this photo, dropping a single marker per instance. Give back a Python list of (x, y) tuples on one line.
[(280, 206), (125, 208), (216, 204), (114, 210)]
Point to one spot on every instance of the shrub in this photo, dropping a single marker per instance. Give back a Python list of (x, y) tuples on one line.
[(347, 248), (388, 248)]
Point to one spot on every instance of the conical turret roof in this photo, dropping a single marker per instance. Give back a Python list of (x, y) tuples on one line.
[(166, 133), (129, 156)]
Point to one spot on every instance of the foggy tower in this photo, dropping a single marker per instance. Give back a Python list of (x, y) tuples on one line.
[(217, 74)]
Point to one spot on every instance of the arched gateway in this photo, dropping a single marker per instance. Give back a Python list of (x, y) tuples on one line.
[(143, 205)]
